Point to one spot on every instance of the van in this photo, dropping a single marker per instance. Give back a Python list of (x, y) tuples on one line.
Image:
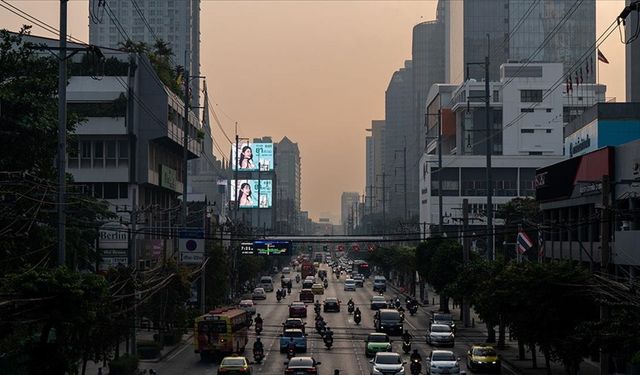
[(379, 284), (388, 321), (307, 284), (266, 282), (306, 295)]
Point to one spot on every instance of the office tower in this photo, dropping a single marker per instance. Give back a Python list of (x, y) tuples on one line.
[(289, 188)]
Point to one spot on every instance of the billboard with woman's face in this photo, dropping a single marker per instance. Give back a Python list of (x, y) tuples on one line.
[(248, 156), (252, 193)]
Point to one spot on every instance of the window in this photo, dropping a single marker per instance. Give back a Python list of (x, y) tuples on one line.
[(110, 150), (535, 152), (73, 160), (548, 110), (496, 95), (123, 189), (531, 96), (548, 131), (98, 154), (123, 153), (529, 131), (110, 191), (526, 110), (85, 154)]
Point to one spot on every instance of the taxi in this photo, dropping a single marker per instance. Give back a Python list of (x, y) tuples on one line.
[(234, 365), (483, 358), (317, 288)]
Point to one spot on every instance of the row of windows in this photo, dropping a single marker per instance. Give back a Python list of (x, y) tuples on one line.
[(107, 190), (531, 131), (98, 154), (531, 110), (531, 96)]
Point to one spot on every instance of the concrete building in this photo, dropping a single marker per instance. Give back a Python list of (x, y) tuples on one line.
[(527, 133), (349, 207), (289, 187), (517, 29), (375, 160), (632, 57), (174, 21), (571, 200), (399, 133)]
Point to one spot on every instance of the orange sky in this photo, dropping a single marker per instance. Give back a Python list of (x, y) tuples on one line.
[(315, 71)]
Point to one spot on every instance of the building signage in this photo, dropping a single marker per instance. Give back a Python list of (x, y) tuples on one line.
[(191, 245), (540, 180), (113, 235), (580, 145), (266, 247), (168, 178), (112, 258)]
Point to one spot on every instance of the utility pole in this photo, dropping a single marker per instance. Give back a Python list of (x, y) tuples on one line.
[(605, 259), (487, 108), (466, 310), (185, 145), (62, 132)]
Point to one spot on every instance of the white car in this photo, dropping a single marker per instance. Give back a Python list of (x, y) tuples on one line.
[(443, 362), (259, 293), (286, 270), (349, 285), (440, 334), (387, 363), (248, 306)]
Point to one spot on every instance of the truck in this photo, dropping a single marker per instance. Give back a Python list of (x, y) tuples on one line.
[(307, 269)]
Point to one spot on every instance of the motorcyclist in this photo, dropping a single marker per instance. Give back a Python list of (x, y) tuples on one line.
[(350, 303), (406, 336), (258, 346), (415, 356), (328, 334), (258, 320), (291, 345), (401, 311), (297, 278), (398, 303), (357, 312), (278, 295)]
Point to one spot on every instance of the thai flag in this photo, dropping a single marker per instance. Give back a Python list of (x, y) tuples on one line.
[(540, 244), (524, 242)]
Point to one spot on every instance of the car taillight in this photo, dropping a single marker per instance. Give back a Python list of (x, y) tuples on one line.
[(289, 371), (311, 371), (244, 369)]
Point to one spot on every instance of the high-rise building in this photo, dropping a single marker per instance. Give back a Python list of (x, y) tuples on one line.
[(375, 155), (399, 130), (518, 30), (288, 186), (174, 21), (633, 58), (349, 210)]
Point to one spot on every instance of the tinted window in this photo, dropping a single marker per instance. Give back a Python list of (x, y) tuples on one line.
[(438, 328), (301, 362), (388, 359), (293, 334), (233, 362), (378, 338), (390, 315), (484, 352), (443, 357)]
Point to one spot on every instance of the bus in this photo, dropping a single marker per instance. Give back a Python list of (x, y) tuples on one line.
[(362, 268), (307, 269), (221, 331)]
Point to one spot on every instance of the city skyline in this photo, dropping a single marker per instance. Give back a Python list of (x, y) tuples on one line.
[(327, 92)]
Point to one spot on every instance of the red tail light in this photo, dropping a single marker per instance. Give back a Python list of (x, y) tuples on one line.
[(289, 371)]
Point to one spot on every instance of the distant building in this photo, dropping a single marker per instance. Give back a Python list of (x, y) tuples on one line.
[(633, 58), (175, 22), (289, 188), (527, 124), (349, 210), (375, 155), (517, 29)]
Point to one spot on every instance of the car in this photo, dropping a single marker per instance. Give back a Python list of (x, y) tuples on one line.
[(259, 293), (302, 365), (234, 365), (442, 362), (440, 335), (307, 296), (379, 284), (389, 321), (317, 288), (299, 338), (297, 310), (378, 302), (266, 282), (286, 270), (349, 285), (385, 363), (440, 318), (376, 342), (248, 306), (359, 280), (331, 304), (294, 323), (285, 281), (483, 358), (311, 278)]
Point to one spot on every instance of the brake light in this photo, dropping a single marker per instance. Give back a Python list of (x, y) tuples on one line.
[(289, 371), (312, 371)]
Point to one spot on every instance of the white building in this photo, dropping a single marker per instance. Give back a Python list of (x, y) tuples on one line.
[(529, 108), (174, 21)]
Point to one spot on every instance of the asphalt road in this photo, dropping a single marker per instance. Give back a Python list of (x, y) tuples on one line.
[(347, 354)]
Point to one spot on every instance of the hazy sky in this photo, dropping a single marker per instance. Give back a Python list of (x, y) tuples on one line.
[(315, 71)]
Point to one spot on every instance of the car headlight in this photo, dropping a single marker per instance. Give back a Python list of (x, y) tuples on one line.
[(401, 371), (376, 371), (494, 362)]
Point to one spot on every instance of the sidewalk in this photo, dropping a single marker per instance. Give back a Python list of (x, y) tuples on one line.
[(509, 354), (142, 335)]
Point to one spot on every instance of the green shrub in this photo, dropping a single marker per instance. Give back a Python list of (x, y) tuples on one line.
[(124, 365), (635, 359)]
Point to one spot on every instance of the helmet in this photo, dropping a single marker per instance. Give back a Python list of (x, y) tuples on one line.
[(257, 316), (415, 351), (257, 339)]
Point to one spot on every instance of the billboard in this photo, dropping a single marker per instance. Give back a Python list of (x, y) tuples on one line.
[(252, 193), (266, 247), (247, 156)]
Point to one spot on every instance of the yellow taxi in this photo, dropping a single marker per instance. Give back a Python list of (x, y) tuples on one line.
[(483, 358), (317, 288), (234, 365)]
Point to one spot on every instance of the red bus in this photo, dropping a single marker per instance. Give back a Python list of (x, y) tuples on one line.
[(307, 269)]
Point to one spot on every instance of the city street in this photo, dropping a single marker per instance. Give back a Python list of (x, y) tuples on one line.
[(347, 354)]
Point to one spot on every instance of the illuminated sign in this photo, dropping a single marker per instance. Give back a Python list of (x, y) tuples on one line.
[(252, 193), (266, 247), (252, 156)]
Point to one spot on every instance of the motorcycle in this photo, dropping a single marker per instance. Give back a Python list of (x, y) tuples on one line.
[(291, 352), (413, 309), (326, 284), (350, 308), (406, 346), (316, 309), (258, 328), (401, 316), (416, 367), (297, 279), (357, 318), (328, 342), (289, 289), (278, 297), (258, 355)]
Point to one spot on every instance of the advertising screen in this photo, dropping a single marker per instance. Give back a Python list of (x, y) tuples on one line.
[(249, 156), (266, 247), (252, 193)]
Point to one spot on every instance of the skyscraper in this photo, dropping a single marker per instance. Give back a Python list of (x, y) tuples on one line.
[(375, 155), (288, 187), (519, 30), (633, 58), (174, 21), (349, 210)]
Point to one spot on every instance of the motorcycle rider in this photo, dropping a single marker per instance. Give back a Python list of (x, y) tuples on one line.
[(328, 334), (406, 336), (398, 303), (415, 356), (258, 348), (401, 311), (258, 321), (350, 303), (297, 278), (291, 346)]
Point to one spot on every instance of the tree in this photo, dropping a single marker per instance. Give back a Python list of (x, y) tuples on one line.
[(519, 213), (438, 261)]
